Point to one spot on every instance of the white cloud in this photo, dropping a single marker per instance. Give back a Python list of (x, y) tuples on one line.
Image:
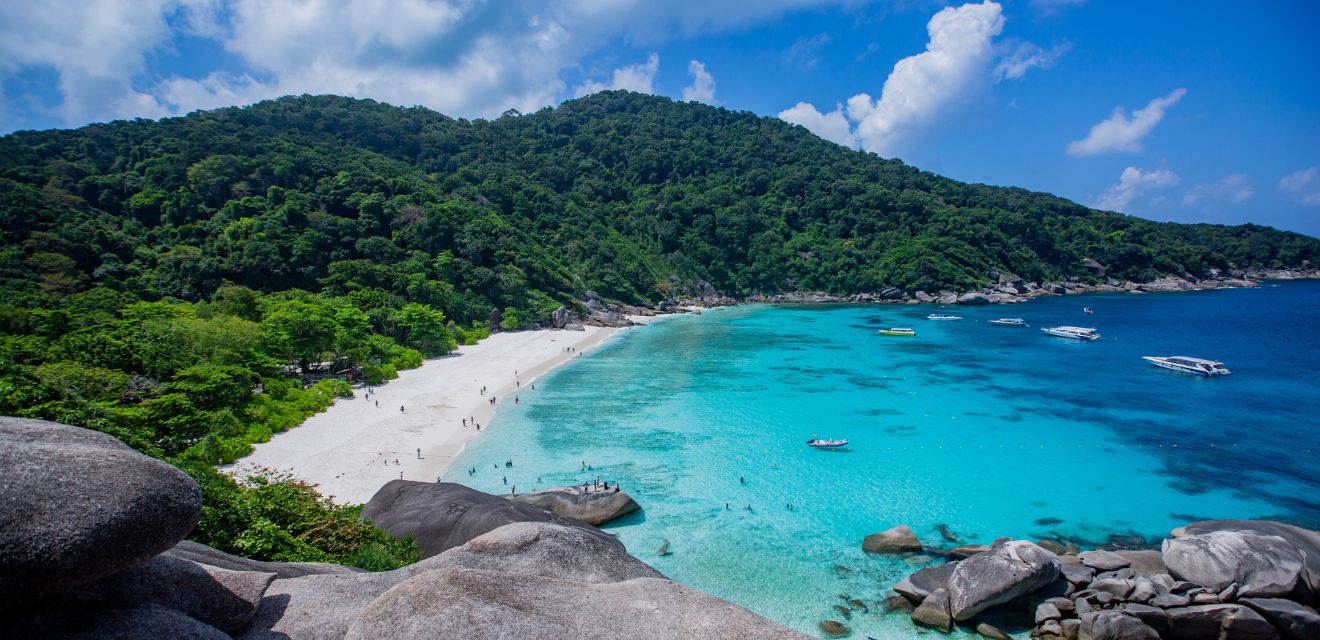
[(1119, 133), (832, 126), (1304, 185), (702, 88), (920, 88), (1023, 56), (634, 77), (1131, 184), (464, 58), (1234, 187)]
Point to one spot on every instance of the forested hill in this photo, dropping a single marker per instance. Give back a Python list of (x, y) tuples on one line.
[(627, 195)]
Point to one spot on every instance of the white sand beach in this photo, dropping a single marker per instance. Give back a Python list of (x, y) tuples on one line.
[(351, 449)]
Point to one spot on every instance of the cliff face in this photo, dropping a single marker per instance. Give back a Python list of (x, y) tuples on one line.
[(91, 547)]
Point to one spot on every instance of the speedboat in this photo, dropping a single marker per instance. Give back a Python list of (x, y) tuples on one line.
[(898, 331), (826, 444), (1088, 310), (942, 316), (1076, 333), (1187, 364), (1009, 322)]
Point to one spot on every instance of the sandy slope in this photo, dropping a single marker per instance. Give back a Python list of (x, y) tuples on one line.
[(351, 448)]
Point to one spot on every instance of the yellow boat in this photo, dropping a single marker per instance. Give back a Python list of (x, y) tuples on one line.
[(898, 331)]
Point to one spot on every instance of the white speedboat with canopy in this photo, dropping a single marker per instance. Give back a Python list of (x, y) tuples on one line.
[(1187, 364), (1076, 333)]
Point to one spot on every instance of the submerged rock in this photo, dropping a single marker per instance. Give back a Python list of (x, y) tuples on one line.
[(899, 539), (78, 505), (444, 515), (1008, 570), (833, 629), (594, 508)]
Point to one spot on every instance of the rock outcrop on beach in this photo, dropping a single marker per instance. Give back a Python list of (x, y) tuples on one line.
[(444, 515), (114, 511), (594, 507), (1225, 579)]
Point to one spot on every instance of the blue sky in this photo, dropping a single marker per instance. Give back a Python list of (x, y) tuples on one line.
[(1205, 111)]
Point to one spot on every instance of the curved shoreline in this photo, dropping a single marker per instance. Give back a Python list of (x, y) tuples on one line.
[(358, 444)]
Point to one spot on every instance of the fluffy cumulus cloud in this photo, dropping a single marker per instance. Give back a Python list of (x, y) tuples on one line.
[(1234, 187), (1303, 185), (1132, 184), (634, 77), (470, 58), (1119, 133), (920, 88), (702, 88)]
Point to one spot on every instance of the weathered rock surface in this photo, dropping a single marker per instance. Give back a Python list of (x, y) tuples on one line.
[(973, 299), (1293, 620), (1144, 562), (78, 505), (1113, 625), (200, 553), (1261, 565), (1008, 570), (987, 630), (933, 612), (444, 515), (1227, 621), (921, 584), (152, 622), (221, 598), (1102, 560), (465, 603), (1304, 540), (967, 550), (899, 539), (593, 508)]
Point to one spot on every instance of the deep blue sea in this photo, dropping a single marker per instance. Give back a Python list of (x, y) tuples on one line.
[(990, 431)]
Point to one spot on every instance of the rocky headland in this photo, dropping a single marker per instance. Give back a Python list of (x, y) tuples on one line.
[(1008, 289), (1219, 579), (92, 546)]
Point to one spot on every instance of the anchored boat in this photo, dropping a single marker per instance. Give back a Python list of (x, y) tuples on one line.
[(1009, 322), (1186, 364), (942, 316), (1076, 333), (826, 444), (898, 331)]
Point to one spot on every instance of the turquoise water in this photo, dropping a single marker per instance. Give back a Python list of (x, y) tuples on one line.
[(990, 431)]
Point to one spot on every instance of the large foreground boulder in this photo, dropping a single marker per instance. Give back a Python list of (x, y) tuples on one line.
[(444, 515), (76, 505), (1113, 625), (472, 603), (57, 620), (1294, 620), (524, 580), (1008, 570), (591, 507), (1260, 565), (1227, 621)]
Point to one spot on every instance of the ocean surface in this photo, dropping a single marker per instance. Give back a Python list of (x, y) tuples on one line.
[(989, 431)]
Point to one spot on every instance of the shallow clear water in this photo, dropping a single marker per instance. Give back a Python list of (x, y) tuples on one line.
[(991, 431)]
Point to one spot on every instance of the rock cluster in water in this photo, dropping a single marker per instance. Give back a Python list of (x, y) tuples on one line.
[(1225, 579), (91, 547)]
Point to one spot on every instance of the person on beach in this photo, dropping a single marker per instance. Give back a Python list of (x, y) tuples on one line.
[(513, 491), (515, 399), (419, 454), (400, 408), (400, 475), (378, 404), (465, 422)]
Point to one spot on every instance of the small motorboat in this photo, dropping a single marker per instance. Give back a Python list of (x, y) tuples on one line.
[(898, 331), (942, 316), (1088, 310), (820, 443), (1076, 333), (1009, 322), (1185, 364)]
